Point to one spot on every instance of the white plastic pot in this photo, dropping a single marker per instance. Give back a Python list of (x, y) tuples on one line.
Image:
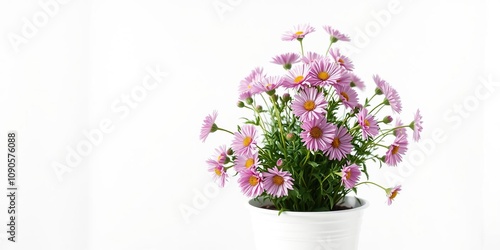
[(334, 230)]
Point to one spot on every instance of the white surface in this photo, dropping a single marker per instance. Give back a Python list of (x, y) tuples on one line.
[(74, 75)]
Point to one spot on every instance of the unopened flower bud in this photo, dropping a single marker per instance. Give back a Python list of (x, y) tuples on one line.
[(258, 108), (387, 119), (290, 136), (279, 162), (286, 97), (271, 92), (241, 104), (249, 100), (229, 151)]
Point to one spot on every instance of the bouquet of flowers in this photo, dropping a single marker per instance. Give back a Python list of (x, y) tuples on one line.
[(310, 136)]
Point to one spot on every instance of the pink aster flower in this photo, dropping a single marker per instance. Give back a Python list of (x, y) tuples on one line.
[(311, 57), (416, 126), (244, 142), (298, 32), (297, 77), (309, 104), (356, 81), (335, 35), (392, 193), (342, 60), (318, 134), (391, 95), (368, 124), (221, 154), (286, 60), (341, 144), (219, 172), (247, 84), (345, 78), (348, 96), (268, 83), (324, 72), (350, 175), (246, 162), (277, 182), (251, 183), (396, 151), (208, 126), (399, 130)]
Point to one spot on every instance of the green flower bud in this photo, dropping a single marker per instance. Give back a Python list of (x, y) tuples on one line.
[(229, 151), (258, 108), (241, 104), (249, 100), (286, 97), (290, 136), (387, 119), (274, 98)]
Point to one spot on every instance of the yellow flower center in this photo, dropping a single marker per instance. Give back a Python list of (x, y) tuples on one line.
[(249, 86), (366, 122), (253, 180), (344, 94), (348, 175), (217, 172), (298, 79), (393, 195), (247, 141), (298, 33), (316, 132), (219, 158), (336, 142), (395, 150), (341, 61), (323, 75), (309, 105), (278, 180), (249, 163)]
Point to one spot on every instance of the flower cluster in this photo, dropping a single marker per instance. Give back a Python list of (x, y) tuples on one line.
[(307, 145)]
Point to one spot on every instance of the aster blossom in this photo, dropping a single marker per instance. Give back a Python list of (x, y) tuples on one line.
[(298, 32), (309, 104), (277, 182), (307, 134)]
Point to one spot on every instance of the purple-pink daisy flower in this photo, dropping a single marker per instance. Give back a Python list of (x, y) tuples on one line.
[(347, 95), (298, 32), (251, 183), (396, 151), (416, 125), (342, 60), (368, 124), (392, 97), (309, 104), (246, 162), (208, 126), (392, 193), (356, 81), (297, 77), (286, 60), (268, 83), (324, 72), (247, 84), (350, 175), (317, 134), (244, 142), (221, 154), (335, 35), (277, 182), (219, 172), (311, 57), (341, 144)]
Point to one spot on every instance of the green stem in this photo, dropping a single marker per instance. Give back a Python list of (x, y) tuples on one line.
[(369, 182), (225, 130)]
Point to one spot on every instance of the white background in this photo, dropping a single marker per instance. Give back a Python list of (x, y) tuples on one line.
[(77, 67)]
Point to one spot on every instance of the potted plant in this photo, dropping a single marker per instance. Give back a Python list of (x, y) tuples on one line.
[(308, 142)]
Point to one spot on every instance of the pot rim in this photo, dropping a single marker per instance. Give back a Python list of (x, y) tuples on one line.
[(359, 203)]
